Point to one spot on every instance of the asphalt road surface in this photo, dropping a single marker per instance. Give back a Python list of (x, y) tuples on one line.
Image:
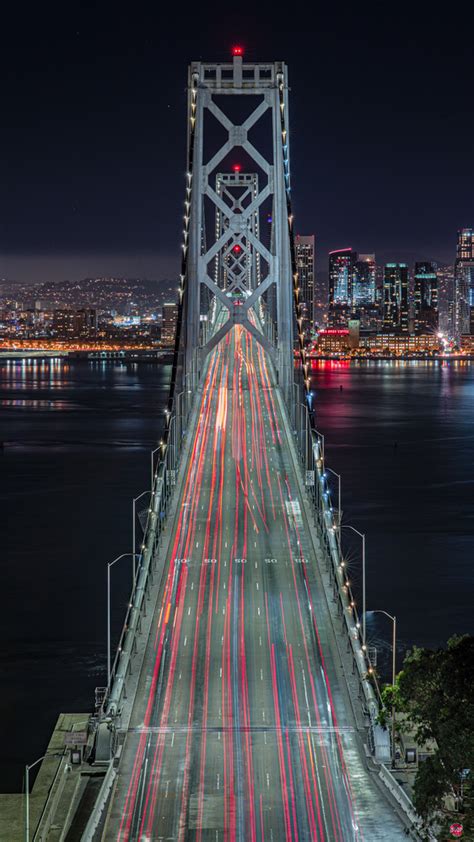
[(241, 728)]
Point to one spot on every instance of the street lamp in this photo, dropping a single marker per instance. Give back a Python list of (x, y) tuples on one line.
[(361, 535), (394, 652), (321, 436), (27, 791), (134, 502), (109, 565), (339, 510)]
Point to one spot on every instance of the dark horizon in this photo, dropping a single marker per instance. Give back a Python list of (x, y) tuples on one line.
[(95, 117)]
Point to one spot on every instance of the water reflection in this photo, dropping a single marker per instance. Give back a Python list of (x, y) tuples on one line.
[(33, 373)]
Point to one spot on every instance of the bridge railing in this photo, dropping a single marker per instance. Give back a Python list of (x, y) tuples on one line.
[(310, 447)]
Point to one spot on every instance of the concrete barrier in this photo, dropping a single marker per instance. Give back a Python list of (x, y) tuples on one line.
[(100, 805), (400, 796)]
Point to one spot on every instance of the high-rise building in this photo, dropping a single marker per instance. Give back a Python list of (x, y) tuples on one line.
[(341, 276), (395, 298), (73, 324), (425, 296), (169, 323), (464, 281), (341, 283), (305, 265), (446, 299), (364, 280), (364, 294)]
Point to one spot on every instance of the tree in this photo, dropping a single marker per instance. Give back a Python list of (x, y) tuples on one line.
[(436, 690)]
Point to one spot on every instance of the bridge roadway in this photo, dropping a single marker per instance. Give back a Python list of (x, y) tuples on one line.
[(241, 728)]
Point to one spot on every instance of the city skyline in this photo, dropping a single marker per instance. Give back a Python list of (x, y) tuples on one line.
[(95, 155)]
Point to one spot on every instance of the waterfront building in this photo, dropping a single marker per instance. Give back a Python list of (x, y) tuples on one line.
[(399, 344), (333, 341), (361, 343), (305, 265), (467, 344), (395, 298), (464, 281), (425, 296)]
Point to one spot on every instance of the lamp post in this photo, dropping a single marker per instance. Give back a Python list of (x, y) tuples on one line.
[(339, 510), (361, 535), (110, 564), (27, 791), (321, 436), (134, 503), (394, 652)]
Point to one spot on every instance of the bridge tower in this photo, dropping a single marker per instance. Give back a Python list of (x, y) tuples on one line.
[(238, 110)]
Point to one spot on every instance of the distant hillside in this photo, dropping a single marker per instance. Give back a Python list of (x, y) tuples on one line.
[(100, 293)]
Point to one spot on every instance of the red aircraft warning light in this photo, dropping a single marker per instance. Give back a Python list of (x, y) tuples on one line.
[(237, 167), (237, 51), (237, 249)]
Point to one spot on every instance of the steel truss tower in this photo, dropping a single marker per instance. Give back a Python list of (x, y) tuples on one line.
[(237, 267), (238, 245)]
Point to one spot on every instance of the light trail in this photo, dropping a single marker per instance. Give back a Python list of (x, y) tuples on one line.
[(236, 735)]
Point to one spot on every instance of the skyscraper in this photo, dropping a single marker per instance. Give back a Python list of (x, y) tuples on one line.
[(341, 283), (364, 280), (446, 299), (395, 298), (464, 281), (169, 323), (426, 298), (305, 265)]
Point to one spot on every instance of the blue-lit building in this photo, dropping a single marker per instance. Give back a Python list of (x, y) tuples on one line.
[(364, 281), (342, 264)]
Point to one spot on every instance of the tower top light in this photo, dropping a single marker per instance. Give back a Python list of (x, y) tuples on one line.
[(237, 51)]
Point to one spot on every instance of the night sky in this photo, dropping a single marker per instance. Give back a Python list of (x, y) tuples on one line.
[(94, 120)]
